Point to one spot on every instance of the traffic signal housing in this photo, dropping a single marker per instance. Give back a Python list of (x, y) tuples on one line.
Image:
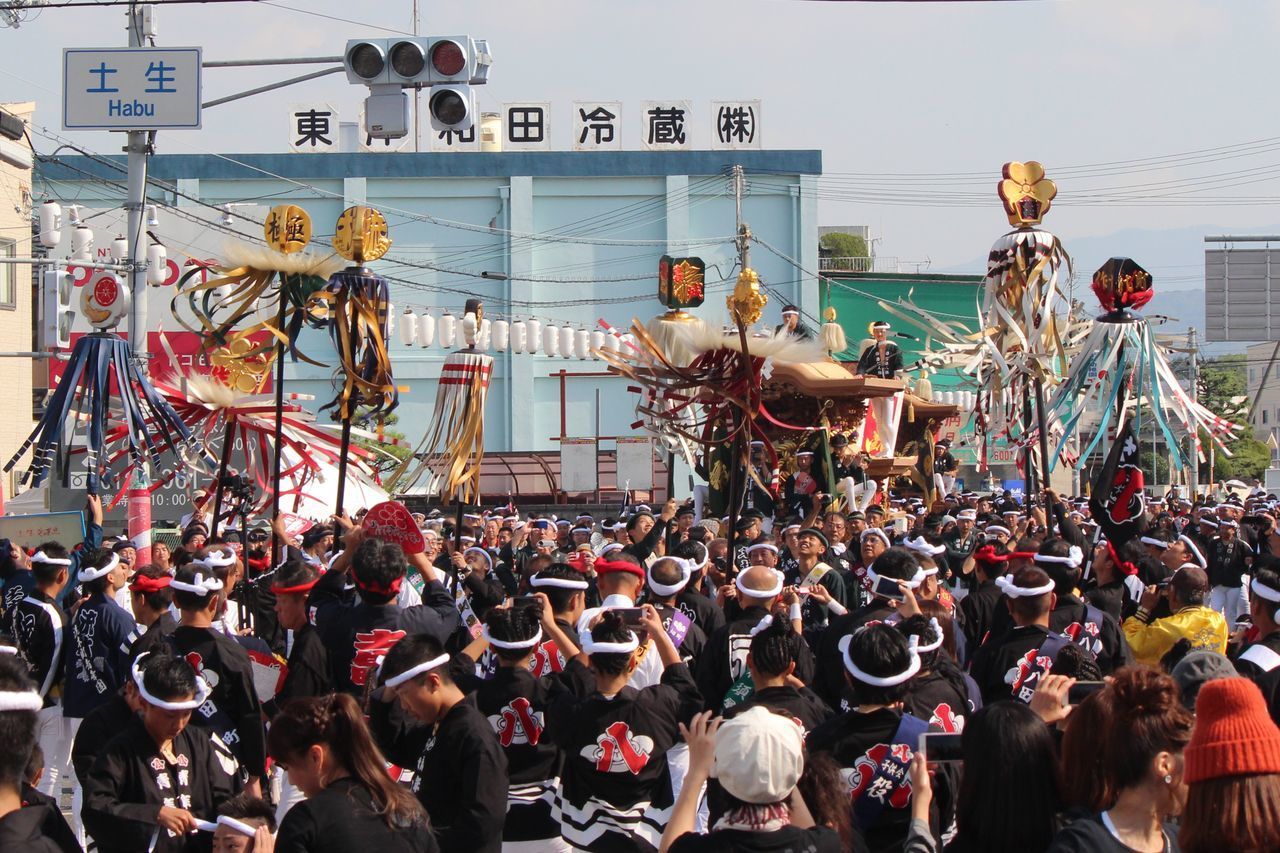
[(55, 328)]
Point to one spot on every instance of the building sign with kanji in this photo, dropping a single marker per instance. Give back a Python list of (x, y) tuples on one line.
[(667, 125), (135, 88), (455, 140), (735, 125), (597, 125), (313, 128), (526, 126)]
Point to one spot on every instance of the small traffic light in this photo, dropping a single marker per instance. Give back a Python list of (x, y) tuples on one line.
[(366, 61), (452, 107), (449, 65), (55, 328)]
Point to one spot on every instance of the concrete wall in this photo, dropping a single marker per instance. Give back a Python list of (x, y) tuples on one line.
[(593, 216), (15, 315)]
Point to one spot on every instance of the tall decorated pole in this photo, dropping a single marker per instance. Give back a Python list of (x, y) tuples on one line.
[(1022, 350), (359, 321)]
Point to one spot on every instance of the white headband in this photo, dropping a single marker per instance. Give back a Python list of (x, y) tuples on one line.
[(921, 546), (591, 647), (42, 557), (762, 546), (1009, 588), (414, 671), (26, 700), (610, 548), (1073, 559), (760, 593), (202, 691), (937, 630), (8, 650), (1266, 592), (687, 567), (511, 644), (1191, 546), (1152, 541), (998, 528), (914, 583), (789, 528), (229, 822), (216, 560), (706, 558), (876, 531), (913, 645), (558, 583), (92, 574), (200, 585), (481, 551), (762, 624)]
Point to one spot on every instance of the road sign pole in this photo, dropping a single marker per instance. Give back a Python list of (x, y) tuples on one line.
[(139, 493)]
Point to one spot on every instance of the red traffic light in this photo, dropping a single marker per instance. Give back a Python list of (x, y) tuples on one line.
[(448, 58)]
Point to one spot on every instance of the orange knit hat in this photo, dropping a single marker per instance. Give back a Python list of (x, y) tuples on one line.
[(1233, 735)]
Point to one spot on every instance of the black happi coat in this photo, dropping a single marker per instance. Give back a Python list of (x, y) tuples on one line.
[(460, 772), (23, 830), (615, 785), (38, 627), (341, 818), (130, 781), (996, 662), (103, 723), (701, 609), (1105, 641), (517, 705), (96, 654), (938, 700), (356, 633), (725, 658), (830, 682), (308, 670), (800, 704), (233, 711)]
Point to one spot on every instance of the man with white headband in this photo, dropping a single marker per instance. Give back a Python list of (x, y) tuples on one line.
[(1190, 618), (460, 768), (757, 591), (939, 693), (155, 781), (1010, 664), (242, 820), (21, 826), (1091, 629), (877, 738), (232, 711), (811, 571), (1263, 654), (1229, 560), (566, 590), (38, 628), (691, 600), (896, 566), (667, 578), (20, 583), (96, 650)]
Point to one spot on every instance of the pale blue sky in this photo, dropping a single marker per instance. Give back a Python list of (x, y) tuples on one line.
[(880, 88)]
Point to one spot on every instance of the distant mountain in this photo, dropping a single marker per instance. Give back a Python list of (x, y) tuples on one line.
[(1174, 257)]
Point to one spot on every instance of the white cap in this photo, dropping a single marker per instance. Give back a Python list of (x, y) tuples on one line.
[(759, 756)]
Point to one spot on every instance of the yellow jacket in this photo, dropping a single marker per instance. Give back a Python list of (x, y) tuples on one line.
[(1204, 627)]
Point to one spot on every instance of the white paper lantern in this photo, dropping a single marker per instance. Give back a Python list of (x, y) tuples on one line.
[(157, 264), (390, 331), (597, 341), (82, 243), (551, 341), (50, 224), (612, 341), (534, 337), (627, 342), (484, 336), (448, 330), (426, 329), (582, 343), (519, 335), (409, 328), (566, 341), (120, 249), (500, 334)]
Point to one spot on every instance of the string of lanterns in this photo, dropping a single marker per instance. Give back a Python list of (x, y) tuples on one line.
[(532, 336)]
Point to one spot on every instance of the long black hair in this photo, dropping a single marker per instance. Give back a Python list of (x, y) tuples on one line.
[(1009, 795)]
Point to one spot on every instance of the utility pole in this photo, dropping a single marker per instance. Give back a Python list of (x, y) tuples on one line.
[(743, 229), (1194, 356), (137, 147), (417, 92)]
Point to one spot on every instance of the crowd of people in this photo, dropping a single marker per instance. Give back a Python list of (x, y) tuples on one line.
[(969, 675)]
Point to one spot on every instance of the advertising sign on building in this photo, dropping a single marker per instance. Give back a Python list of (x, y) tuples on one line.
[(597, 125)]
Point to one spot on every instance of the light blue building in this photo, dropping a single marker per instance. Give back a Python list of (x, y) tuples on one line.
[(561, 237)]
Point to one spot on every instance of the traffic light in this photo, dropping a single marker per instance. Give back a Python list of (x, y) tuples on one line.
[(55, 329), (448, 65)]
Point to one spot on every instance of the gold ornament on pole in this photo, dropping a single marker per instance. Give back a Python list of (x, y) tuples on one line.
[(747, 302)]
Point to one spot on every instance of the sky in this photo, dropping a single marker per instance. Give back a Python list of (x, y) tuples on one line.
[(1152, 115)]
